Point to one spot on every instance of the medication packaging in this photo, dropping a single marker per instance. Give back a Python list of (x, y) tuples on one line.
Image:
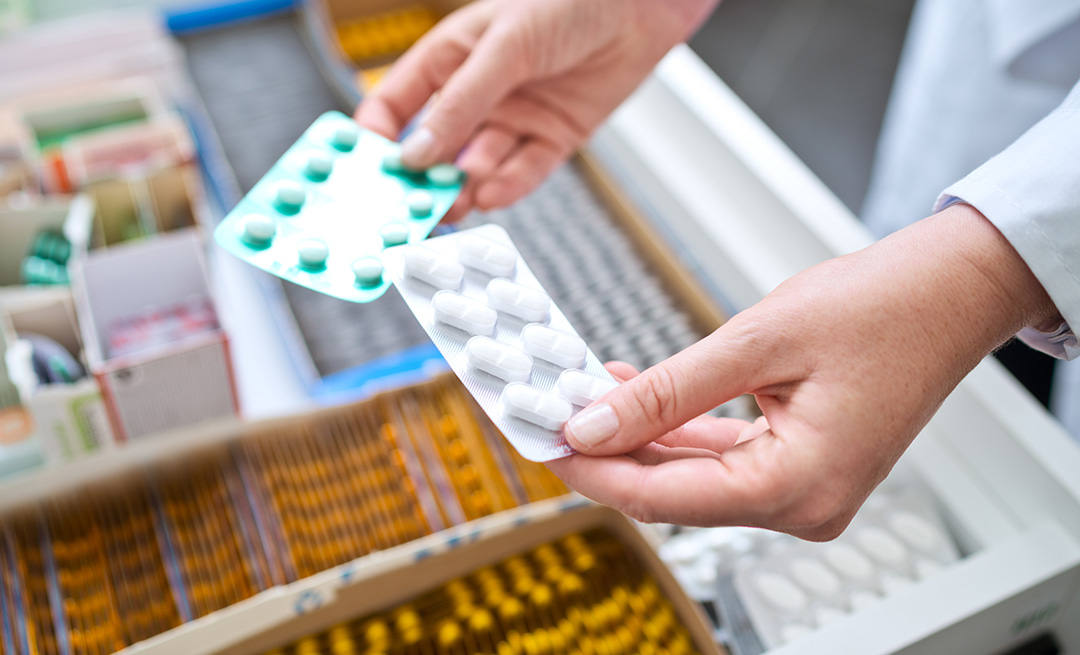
[(498, 329), (335, 199)]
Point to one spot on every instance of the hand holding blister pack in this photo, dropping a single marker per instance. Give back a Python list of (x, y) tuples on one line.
[(327, 208), (516, 353)]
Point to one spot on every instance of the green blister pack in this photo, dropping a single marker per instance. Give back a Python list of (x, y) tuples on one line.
[(323, 213)]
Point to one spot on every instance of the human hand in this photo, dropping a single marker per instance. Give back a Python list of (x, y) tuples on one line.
[(521, 84), (848, 361)]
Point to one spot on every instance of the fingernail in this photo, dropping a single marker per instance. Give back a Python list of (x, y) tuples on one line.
[(418, 149), (594, 426)]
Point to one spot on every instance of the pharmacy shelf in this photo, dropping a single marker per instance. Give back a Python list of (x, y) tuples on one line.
[(745, 211)]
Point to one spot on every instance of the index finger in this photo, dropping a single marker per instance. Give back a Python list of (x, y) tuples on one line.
[(745, 485), (420, 72)]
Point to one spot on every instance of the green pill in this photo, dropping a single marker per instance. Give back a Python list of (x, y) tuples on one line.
[(368, 271), (394, 234), (318, 167), (420, 204), (344, 138), (289, 197), (443, 175), (313, 253)]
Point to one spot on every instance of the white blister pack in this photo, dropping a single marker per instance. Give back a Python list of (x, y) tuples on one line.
[(516, 353)]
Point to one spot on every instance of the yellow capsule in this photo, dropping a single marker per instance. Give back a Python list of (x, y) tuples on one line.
[(308, 646), (510, 609), (557, 640), (504, 648), (651, 632), (449, 634), (625, 637), (340, 632), (646, 648), (567, 629), (529, 643), (462, 611), (637, 605), (585, 562), (481, 621), (570, 585), (412, 635), (540, 595), (514, 639)]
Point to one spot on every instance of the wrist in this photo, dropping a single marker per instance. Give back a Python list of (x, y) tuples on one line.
[(979, 281)]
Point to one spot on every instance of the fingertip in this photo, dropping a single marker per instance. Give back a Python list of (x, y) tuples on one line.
[(621, 371)]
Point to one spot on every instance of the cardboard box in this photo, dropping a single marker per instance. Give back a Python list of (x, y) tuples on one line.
[(183, 379), (70, 419), (20, 225)]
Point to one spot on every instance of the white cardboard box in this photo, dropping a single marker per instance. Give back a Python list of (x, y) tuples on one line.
[(69, 419), (170, 385)]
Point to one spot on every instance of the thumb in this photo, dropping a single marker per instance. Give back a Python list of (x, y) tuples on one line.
[(491, 72), (663, 397)]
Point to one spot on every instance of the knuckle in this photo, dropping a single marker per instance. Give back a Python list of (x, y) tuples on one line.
[(655, 395)]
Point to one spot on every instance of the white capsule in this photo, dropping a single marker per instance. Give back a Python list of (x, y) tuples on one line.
[(505, 362), (916, 531), (537, 407), (815, 577), (927, 568), (530, 305), (827, 616), (560, 348), (849, 562), (486, 255), (892, 583), (583, 389), (464, 313), (882, 547), (860, 600), (780, 592), (429, 266)]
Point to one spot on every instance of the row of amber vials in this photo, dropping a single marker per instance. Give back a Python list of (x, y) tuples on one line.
[(215, 546), (582, 595), (27, 563), (129, 559), (384, 34), (335, 489)]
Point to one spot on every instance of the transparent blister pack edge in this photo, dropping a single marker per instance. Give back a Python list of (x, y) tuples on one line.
[(436, 267)]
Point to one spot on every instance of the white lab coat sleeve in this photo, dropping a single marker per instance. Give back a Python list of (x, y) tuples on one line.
[(1031, 193)]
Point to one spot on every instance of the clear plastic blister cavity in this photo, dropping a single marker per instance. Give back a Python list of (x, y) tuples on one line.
[(499, 331), (327, 208)]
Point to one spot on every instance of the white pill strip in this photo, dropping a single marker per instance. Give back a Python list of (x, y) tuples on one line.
[(497, 328), (560, 348), (493, 357), (583, 389), (472, 316), (541, 408), (433, 268), (487, 256), (531, 305)]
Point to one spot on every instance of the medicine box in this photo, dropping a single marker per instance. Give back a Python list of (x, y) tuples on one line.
[(25, 221), (55, 118), (156, 348), (70, 418)]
